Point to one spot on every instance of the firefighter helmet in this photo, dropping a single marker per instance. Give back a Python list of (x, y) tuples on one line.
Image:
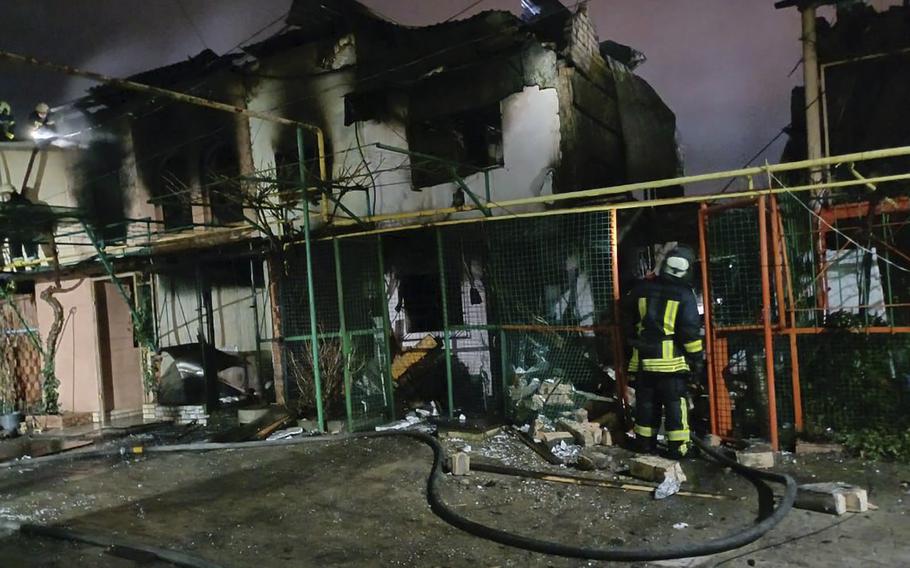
[(42, 108), (678, 264)]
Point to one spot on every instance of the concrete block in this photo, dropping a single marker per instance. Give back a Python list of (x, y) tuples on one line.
[(585, 433), (460, 464), (714, 440), (803, 448), (590, 459), (551, 388), (756, 459), (335, 426), (577, 415), (606, 439), (552, 439), (833, 497), (653, 468), (249, 415)]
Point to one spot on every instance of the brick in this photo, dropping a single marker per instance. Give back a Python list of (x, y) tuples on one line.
[(606, 439), (548, 388), (585, 433), (803, 448), (552, 439), (756, 459), (460, 464), (578, 415), (714, 440), (653, 468), (833, 497)]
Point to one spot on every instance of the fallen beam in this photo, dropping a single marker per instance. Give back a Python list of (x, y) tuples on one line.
[(490, 467)]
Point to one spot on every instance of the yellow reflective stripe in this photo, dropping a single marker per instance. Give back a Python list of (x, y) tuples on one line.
[(693, 346), (678, 435), (670, 317), (645, 431), (665, 365), (667, 349), (642, 312)]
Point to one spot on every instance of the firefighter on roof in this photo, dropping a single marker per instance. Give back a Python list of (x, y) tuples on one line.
[(664, 331)]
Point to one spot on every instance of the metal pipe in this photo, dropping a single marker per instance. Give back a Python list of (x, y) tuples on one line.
[(618, 345), (794, 345), (766, 320), (255, 306), (609, 206), (706, 304), (311, 295), (345, 339), (386, 328), (447, 334), (658, 184)]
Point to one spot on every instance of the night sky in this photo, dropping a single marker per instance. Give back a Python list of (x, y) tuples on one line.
[(721, 65)]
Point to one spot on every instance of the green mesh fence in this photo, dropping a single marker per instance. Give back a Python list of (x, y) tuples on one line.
[(352, 333), (734, 269), (477, 318)]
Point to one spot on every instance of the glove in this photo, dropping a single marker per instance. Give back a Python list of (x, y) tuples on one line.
[(697, 367)]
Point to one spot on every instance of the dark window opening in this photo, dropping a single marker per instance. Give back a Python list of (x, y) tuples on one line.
[(174, 193), (287, 171), (472, 140), (421, 299), (225, 193)]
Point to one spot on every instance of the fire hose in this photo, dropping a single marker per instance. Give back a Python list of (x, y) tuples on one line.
[(769, 514)]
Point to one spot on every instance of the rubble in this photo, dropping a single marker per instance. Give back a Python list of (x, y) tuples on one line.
[(833, 497), (756, 458), (567, 453), (286, 433), (460, 464), (590, 459), (585, 433), (552, 439), (654, 468), (250, 415), (803, 448)]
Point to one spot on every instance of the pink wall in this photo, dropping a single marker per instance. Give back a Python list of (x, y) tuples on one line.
[(116, 345), (77, 355)]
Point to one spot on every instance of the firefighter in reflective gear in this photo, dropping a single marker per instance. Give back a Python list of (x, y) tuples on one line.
[(664, 331), (7, 123)]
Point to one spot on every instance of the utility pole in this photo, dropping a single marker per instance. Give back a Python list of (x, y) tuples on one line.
[(812, 90)]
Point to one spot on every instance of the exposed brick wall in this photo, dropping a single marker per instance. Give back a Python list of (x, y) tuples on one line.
[(583, 44)]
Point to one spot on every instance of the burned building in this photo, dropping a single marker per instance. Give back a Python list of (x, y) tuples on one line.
[(203, 211)]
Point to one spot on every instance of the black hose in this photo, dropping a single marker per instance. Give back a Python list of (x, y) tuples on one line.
[(768, 516)]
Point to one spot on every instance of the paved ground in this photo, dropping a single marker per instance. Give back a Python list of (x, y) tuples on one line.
[(363, 503)]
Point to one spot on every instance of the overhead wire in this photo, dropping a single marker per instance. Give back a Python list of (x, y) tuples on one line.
[(822, 220)]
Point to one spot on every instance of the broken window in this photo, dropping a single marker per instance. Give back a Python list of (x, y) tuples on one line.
[(174, 193), (466, 141), (220, 178), (421, 298)]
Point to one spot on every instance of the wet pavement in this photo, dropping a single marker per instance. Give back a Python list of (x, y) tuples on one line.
[(363, 503)]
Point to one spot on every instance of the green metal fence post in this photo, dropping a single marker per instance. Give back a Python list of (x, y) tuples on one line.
[(504, 361), (386, 329), (311, 296), (447, 333), (345, 338)]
